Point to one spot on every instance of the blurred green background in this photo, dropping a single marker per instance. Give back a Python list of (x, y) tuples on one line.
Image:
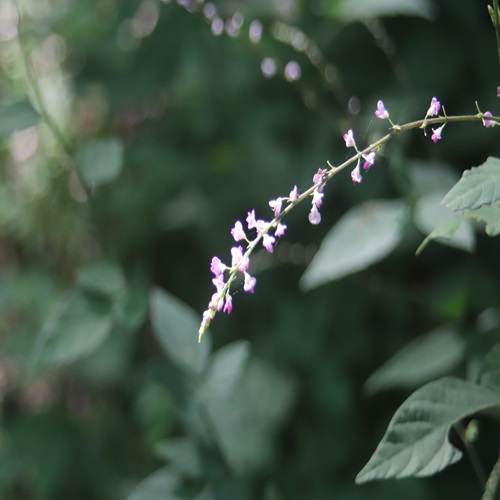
[(178, 123)]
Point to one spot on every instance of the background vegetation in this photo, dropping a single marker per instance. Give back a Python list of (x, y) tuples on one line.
[(132, 139)]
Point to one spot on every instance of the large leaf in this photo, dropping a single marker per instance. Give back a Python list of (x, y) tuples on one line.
[(182, 454), (421, 360), (100, 161), (78, 327), (489, 373), (478, 186), (487, 214), (176, 327), (431, 218), (362, 9), (17, 116), (416, 442), (160, 484), (102, 278), (363, 236)]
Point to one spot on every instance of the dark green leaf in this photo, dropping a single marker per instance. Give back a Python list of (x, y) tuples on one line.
[(160, 484), (102, 278), (17, 116), (182, 454), (416, 442), (489, 373)]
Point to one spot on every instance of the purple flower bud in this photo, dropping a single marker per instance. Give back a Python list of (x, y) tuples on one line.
[(317, 198), (268, 241), (228, 306), (217, 267), (219, 282), (318, 178), (280, 230), (369, 160), (356, 174), (434, 107), (436, 136), (488, 123), (498, 91), (381, 112), (349, 139), (251, 219), (276, 206), (237, 232), (314, 216), (239, 259), (261, 225), (249, 283), (294, 194)]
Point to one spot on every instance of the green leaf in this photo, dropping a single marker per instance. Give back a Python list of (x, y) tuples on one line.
[(17, 116), (100, 161), (364, 235), (416, 442), (446, 231), (182, 454), (489, 373), (362, 9), (176, 327), (102, 278), (160, 484), (487, 214), (478, 186), (77, 328), (423, 359)]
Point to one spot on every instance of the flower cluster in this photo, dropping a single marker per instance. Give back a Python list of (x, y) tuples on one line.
[(222, 300)]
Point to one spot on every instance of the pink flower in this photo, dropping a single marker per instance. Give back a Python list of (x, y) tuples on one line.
[(356, 174), (251, 219), (488, 123), (261, 225), (276, 206), (349, 139), (369, 160), (268, 241), (216, 299), (237, 232), (381, 112), (317, 198), (217, 267), (436, 136), (249, 283), (219, 282), (434, 107), (498, 91), (294, 194), (314, 216), (228, 306), (239, 259), (318, 177), (280, 230)]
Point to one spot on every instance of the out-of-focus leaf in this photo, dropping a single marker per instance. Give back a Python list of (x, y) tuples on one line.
[(416, 442), (101, 277), (478, 186), (438, 222), (160, 484), (421, 360), (363, 236), (489, 373), (176, 328), (362, 9), (17, 116), (227, 366), (487, 214), (431, 176), (253, 409), (182, 454), (100, 161), (78, 327)]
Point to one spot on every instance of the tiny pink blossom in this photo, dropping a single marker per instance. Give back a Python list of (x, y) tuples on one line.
[(216, 300), (268, 241), (294, 194), (434, 107), (498, 91), (356, 174), (488, 123), (237, 232), (314, 216), (228, 306), (280, 230), (276, 206), (249, 283), (381, 112), (261, 225), (349, 139), (369, 160), (318, 177), (317, 198), (219, 282), (251, 219), (217, 266), (436, 136), (239, 259)]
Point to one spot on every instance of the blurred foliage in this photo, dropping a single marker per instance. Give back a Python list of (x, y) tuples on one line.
[(132, 138)]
